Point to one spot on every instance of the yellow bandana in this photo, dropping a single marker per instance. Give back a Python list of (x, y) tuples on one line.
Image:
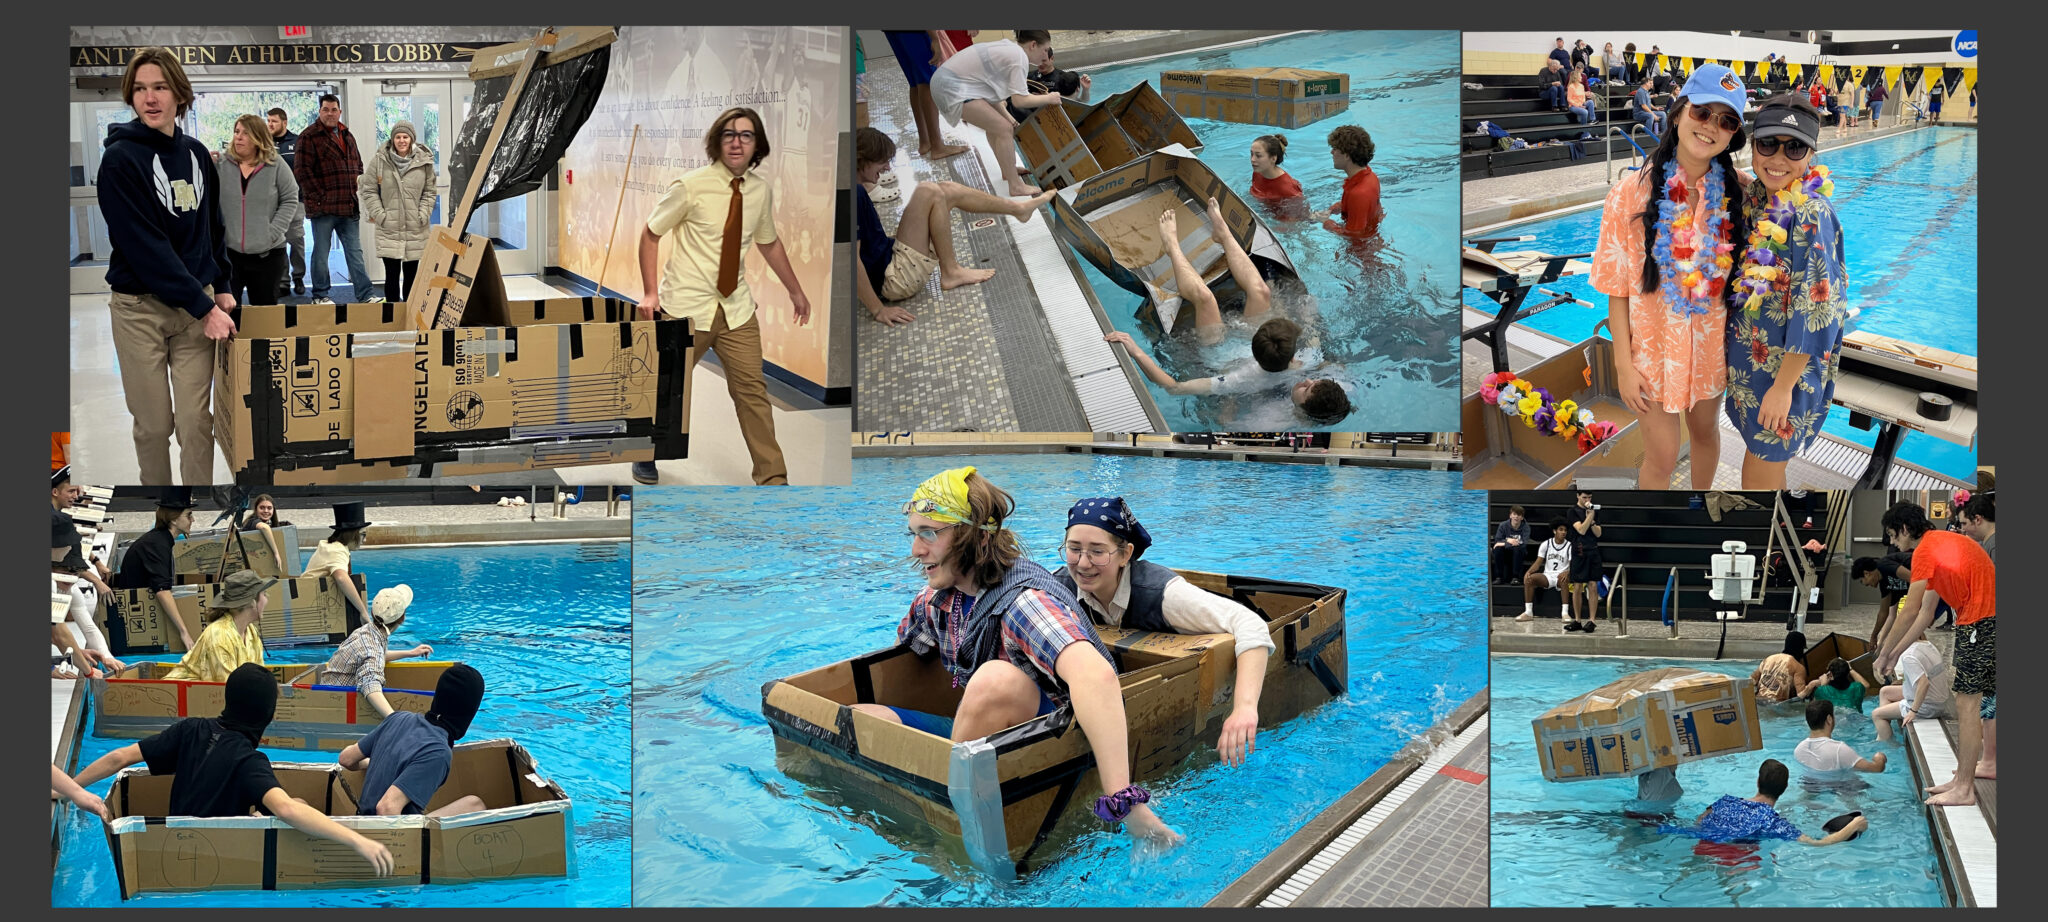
[(943, 498)]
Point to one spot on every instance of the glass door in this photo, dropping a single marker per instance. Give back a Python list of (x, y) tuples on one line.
[(505, 222)]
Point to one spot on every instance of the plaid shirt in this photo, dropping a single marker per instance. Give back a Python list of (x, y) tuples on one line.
[(359, 662), (327, 165), (1035, 630)]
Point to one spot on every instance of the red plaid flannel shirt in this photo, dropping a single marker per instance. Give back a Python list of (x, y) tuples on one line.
[(327, 166)]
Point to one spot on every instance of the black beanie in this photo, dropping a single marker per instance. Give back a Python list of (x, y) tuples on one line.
[(456, 698), (251, 701)]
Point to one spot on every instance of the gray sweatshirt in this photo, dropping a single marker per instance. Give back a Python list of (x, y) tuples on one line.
[(257, 220)]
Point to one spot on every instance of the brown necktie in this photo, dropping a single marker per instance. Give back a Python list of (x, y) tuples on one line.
[(729, 248)]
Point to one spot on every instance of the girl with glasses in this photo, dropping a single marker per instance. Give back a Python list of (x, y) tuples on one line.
[(1788, 297), (1667, 248), (1103, 544)]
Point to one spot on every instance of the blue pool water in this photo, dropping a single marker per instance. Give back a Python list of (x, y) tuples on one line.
[(1908, 205), (1387, 312), (735, 588), (1568, 844), (550, 629)]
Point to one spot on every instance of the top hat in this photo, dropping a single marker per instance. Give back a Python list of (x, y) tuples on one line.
[(175, 498), (349, 515)]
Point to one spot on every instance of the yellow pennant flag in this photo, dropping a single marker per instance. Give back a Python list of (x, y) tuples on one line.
[(1827, 74), (1793, 71), (1891, 76), (1856, 74), (1970, 78)]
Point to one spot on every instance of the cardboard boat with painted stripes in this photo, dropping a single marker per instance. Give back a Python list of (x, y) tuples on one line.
[(299, 611), (525, 830), (994, 802), (336, 393), (138, 702), (1112, 220)]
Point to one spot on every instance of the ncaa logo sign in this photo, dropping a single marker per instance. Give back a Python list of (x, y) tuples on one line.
[(1965, 44)]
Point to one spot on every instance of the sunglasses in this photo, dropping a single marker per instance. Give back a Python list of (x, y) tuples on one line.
[(1727, 121), (1795, 149)]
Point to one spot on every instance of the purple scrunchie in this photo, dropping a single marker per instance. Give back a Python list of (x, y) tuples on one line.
[(1112, 808)]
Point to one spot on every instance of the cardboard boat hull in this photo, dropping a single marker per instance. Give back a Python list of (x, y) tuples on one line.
[(138, 702), (1504, 454), (302, 610), (993, 802)]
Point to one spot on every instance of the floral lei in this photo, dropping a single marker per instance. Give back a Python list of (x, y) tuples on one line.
[(1690, 279), (1765, 266), (1564, 418)]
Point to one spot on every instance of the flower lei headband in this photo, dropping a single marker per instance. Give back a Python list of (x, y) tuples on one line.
[(1765, 265), (1538, 411)]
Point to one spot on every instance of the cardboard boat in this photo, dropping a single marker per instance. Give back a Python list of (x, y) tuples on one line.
[(1073, 141), (1503, 454), (138, 702), (1659, 718), (994, 801), (198, 558), (525, 831), (302, 610), (1112, 219)]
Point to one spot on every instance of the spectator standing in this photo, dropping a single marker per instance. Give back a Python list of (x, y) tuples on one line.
[(259, 201), (397, 192), (329, 166), (918, 54), (1878, 95), (287, 143), (1952, 568)]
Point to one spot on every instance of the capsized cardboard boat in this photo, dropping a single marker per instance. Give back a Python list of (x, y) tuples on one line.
[(1112, 220), (303, 610), (996, 800), (1070, 142), (525, 830), (138, 702)]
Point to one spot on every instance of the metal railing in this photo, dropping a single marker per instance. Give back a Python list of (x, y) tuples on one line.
[(1607, 150)]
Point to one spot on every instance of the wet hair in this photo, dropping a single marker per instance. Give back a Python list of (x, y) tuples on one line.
[(980, 555), (1274, 344), (1274, 144), (1818, 711), (326, 98), (1795, 645), (1771, 778), (1861, 566), (1838, 673), (1842, 822), (1354, 142), (166, 60), (1517, 510), (164, 517), (1653, 173), (351, 538), (872, 146), (1906, 517), (712, 141), (1981, 506), (1041, 36), (282, 115), (1327, 402), (264, 149)]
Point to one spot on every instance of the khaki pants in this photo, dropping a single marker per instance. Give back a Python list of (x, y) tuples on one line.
[(740, 352), (166, 360)]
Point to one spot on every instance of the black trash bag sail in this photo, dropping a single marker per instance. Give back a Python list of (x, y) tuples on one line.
[(557, 101)]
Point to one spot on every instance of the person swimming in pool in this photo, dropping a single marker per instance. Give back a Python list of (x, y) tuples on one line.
[(1781, 675), (1258, 296), (1270, 183), (1013, 638), (1104, 542), (1734, 819)]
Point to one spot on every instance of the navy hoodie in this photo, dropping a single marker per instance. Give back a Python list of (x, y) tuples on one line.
[(160, 196)]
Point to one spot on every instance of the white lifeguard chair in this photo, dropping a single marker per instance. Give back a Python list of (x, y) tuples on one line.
[(1731, 577)]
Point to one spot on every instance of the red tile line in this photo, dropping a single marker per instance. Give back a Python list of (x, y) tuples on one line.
[(1462, 774)]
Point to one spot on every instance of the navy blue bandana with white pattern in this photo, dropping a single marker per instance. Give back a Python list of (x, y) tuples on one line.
[(1111, 515)]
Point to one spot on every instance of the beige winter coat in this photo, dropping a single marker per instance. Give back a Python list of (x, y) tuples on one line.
[(399, 202)]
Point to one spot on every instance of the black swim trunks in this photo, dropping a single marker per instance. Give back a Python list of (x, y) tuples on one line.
[(1976, 664)]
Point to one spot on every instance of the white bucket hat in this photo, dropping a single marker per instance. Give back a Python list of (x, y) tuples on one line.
[(391, 603)]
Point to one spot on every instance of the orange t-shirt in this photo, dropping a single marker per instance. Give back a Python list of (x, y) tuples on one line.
[(1361, 203), (1681, 360), (1959, 571), (60, 445)]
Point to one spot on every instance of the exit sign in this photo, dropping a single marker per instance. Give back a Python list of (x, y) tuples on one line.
[(294, 31)]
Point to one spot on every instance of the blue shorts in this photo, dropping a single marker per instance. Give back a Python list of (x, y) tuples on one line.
[(913, 52), (942, 727)]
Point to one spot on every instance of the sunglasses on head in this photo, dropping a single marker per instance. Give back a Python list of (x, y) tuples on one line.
[(1795, 149), (1728, 121)]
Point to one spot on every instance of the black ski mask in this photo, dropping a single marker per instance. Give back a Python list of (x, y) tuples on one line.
[(456, 698), (251, 701)]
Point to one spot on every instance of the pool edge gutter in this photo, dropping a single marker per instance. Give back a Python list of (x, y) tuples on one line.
[(1300, 848), (1955, 875)]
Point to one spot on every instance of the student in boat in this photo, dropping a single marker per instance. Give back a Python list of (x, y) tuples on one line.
[(230, 638), (1103, 545), (150, 562), (1550, 570), (331, 557), (406, 757), (264, 518), (1270, 183), (1789, 296), (1667, 246), (1013, 638), (1780, 676), (970, 84), (218, 772), (1734, 819), (360, 661), (1842, 687)]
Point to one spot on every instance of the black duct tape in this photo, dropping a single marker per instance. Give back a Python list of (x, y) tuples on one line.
[(1935, 406)]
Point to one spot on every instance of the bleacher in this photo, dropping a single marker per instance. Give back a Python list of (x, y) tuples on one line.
[(1651, 532), (1514, 102)]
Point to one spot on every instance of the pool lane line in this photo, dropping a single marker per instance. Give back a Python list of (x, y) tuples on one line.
[(1336, 821), (1964, 841)]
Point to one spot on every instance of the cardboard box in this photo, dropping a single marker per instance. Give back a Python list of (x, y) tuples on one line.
[(1655, 719), (525, 830), (1861, 654), (197, 559), (140, 702), (341, 392), (1112, 220), (302, 610), (1283, 97), (1073, 141), (995, 800)]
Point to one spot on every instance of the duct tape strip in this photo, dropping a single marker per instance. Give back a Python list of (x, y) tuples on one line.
[(976, 792), (369, 345), (503, 814), (570, 430), (485, 346)]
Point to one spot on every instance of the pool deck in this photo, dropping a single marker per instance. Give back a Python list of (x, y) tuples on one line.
[(1966, 838), (1412, 834), (1407, 457)]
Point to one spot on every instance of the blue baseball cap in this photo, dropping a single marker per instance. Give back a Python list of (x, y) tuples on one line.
[(1716, 83)]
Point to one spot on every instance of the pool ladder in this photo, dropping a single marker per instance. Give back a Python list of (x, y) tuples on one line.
[(1620, 588)]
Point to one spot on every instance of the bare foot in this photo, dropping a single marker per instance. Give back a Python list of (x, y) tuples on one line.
[(1169, 225), (1020, 188), (1961, 797), (943, 151), (1945, 786), (1215, 213), (1028, 208), (1987, 771), (951, 280)]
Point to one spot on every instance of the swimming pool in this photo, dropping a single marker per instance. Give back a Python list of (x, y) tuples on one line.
[(1388, 312), (735, 588), (1908, 205), (1568, 844), (549, 628)]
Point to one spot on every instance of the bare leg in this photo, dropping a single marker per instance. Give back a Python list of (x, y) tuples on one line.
[(1883, 717), (467, 803), (1660, 449), (931, 129), (1208, 318), (997, 696), (876, 710), (1987, 766), (1531, 586), (1758, 474), (1961, 790), (1703, 423), (1002, 137), (1258, 298)]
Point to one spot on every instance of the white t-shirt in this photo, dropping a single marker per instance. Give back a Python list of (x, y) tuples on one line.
[(1922, 659), (1249, 378), (1826, 758), (1557, 557), (993, 71)]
